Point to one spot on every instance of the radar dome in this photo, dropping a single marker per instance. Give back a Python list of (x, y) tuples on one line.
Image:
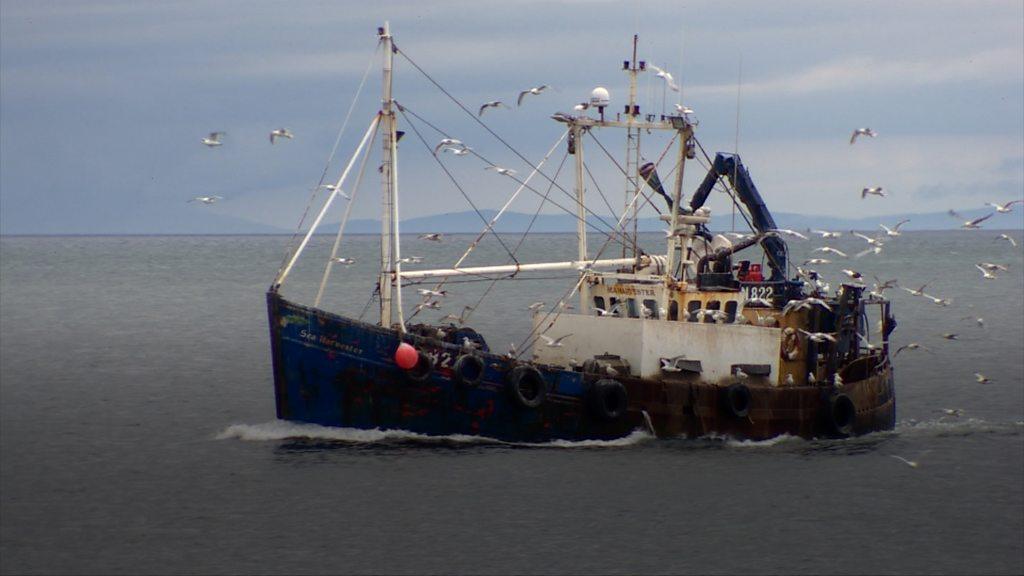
[(599, 97)]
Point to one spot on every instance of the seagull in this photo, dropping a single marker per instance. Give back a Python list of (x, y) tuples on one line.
[(895, 231), (873, 190), (910, 463), (535, 306), (789, 379), (534, 91), (831, 251), (805, 303), (981, 378), (852, 274), (740, 374), (790, 233), (862, 132), (1008, 238), (837, 380), (883, 286), (281, 133), (336, 189), (469, 344), (680, 109), (826, 234), (1002, 209), (553, 342), (867, 344), (876, 250), (757, 302), (500, 170), (870, 240), (918, 292), (955, 412), (206, 199), (940, 301), (672, 364), (433, 237), (448, 143), (985, 273), (811, 378), (452, 318), (610, 371), (819, 336), (457, 151), (970, 224), (214, 140), (345, 261), (911, 346), (432, 293), (581, 106), (411, 260), (432, 304), (491, 104), (993, 267), (669, 81), (949, 336)]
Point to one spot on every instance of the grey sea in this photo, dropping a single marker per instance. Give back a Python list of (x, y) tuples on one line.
[(137, 433)]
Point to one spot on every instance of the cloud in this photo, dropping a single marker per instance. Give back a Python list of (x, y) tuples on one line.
[(872, 73)]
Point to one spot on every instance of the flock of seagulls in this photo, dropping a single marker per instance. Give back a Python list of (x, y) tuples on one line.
[(215, 139)]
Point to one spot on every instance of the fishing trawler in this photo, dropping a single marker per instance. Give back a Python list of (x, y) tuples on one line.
[(714, 336)]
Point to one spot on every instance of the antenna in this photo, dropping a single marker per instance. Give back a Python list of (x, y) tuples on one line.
[(736, 142)]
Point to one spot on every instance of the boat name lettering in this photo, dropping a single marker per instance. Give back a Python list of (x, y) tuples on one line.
[(631, 290), (443, 358), (325, 340)]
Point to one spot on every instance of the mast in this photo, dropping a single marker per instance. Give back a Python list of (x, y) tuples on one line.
[(581, 215), (388, 261), (632, 148)]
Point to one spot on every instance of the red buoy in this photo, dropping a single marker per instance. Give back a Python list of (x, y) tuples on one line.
[(406, 356)]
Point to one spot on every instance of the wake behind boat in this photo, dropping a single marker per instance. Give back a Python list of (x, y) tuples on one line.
[(713, 336)]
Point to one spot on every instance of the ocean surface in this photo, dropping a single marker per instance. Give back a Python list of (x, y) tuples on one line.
[(137, 433)]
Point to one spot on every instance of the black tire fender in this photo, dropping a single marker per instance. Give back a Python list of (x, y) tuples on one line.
[(468, 370), (526, 387), (608, 399), (423, 369), (841, 414), (737, 400)]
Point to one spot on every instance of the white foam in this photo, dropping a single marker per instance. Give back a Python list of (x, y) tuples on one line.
[(277, 430)]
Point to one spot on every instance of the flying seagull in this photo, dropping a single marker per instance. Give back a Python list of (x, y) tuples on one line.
[(534, 91), (500, 170), (491, 104), (862, 132), (789, 232), (553, 342), (985, 273), (214, 140), (826, 234), (432, 236), (345, 261), (970, 224), (910, 463), (874, 190), (669, 81), (448, 143), (895, 230), (206, 199), (831, 250), (281, 133), (1001, 208), (336, 189), (1008, 238)]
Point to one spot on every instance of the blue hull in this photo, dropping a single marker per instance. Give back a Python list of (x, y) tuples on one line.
[(335, 371)]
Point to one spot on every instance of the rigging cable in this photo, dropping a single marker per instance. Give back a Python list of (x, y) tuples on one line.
[(330, 159)]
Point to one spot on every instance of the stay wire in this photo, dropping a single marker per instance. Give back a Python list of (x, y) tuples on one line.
[(330, 159), (495, 134)]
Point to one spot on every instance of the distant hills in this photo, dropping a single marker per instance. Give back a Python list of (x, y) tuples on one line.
[(517, 222)]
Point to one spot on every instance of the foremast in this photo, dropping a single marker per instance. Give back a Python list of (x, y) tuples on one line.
[(390, 248)]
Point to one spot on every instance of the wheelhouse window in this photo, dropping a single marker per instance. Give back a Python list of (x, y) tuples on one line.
[(673, 310), (693, 311), (634, 312), (599, 303), (652, 308), (712, 306), (730, 311)]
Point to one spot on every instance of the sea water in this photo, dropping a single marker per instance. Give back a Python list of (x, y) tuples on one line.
[(137, 431)]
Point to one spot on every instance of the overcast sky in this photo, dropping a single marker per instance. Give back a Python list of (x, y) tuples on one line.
[(104, 103)]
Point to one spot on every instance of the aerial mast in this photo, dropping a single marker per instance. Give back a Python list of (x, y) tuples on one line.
[(389, 265), (632, 145)]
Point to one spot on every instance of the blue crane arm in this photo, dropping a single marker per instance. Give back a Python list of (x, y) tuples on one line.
[(731, 167)]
